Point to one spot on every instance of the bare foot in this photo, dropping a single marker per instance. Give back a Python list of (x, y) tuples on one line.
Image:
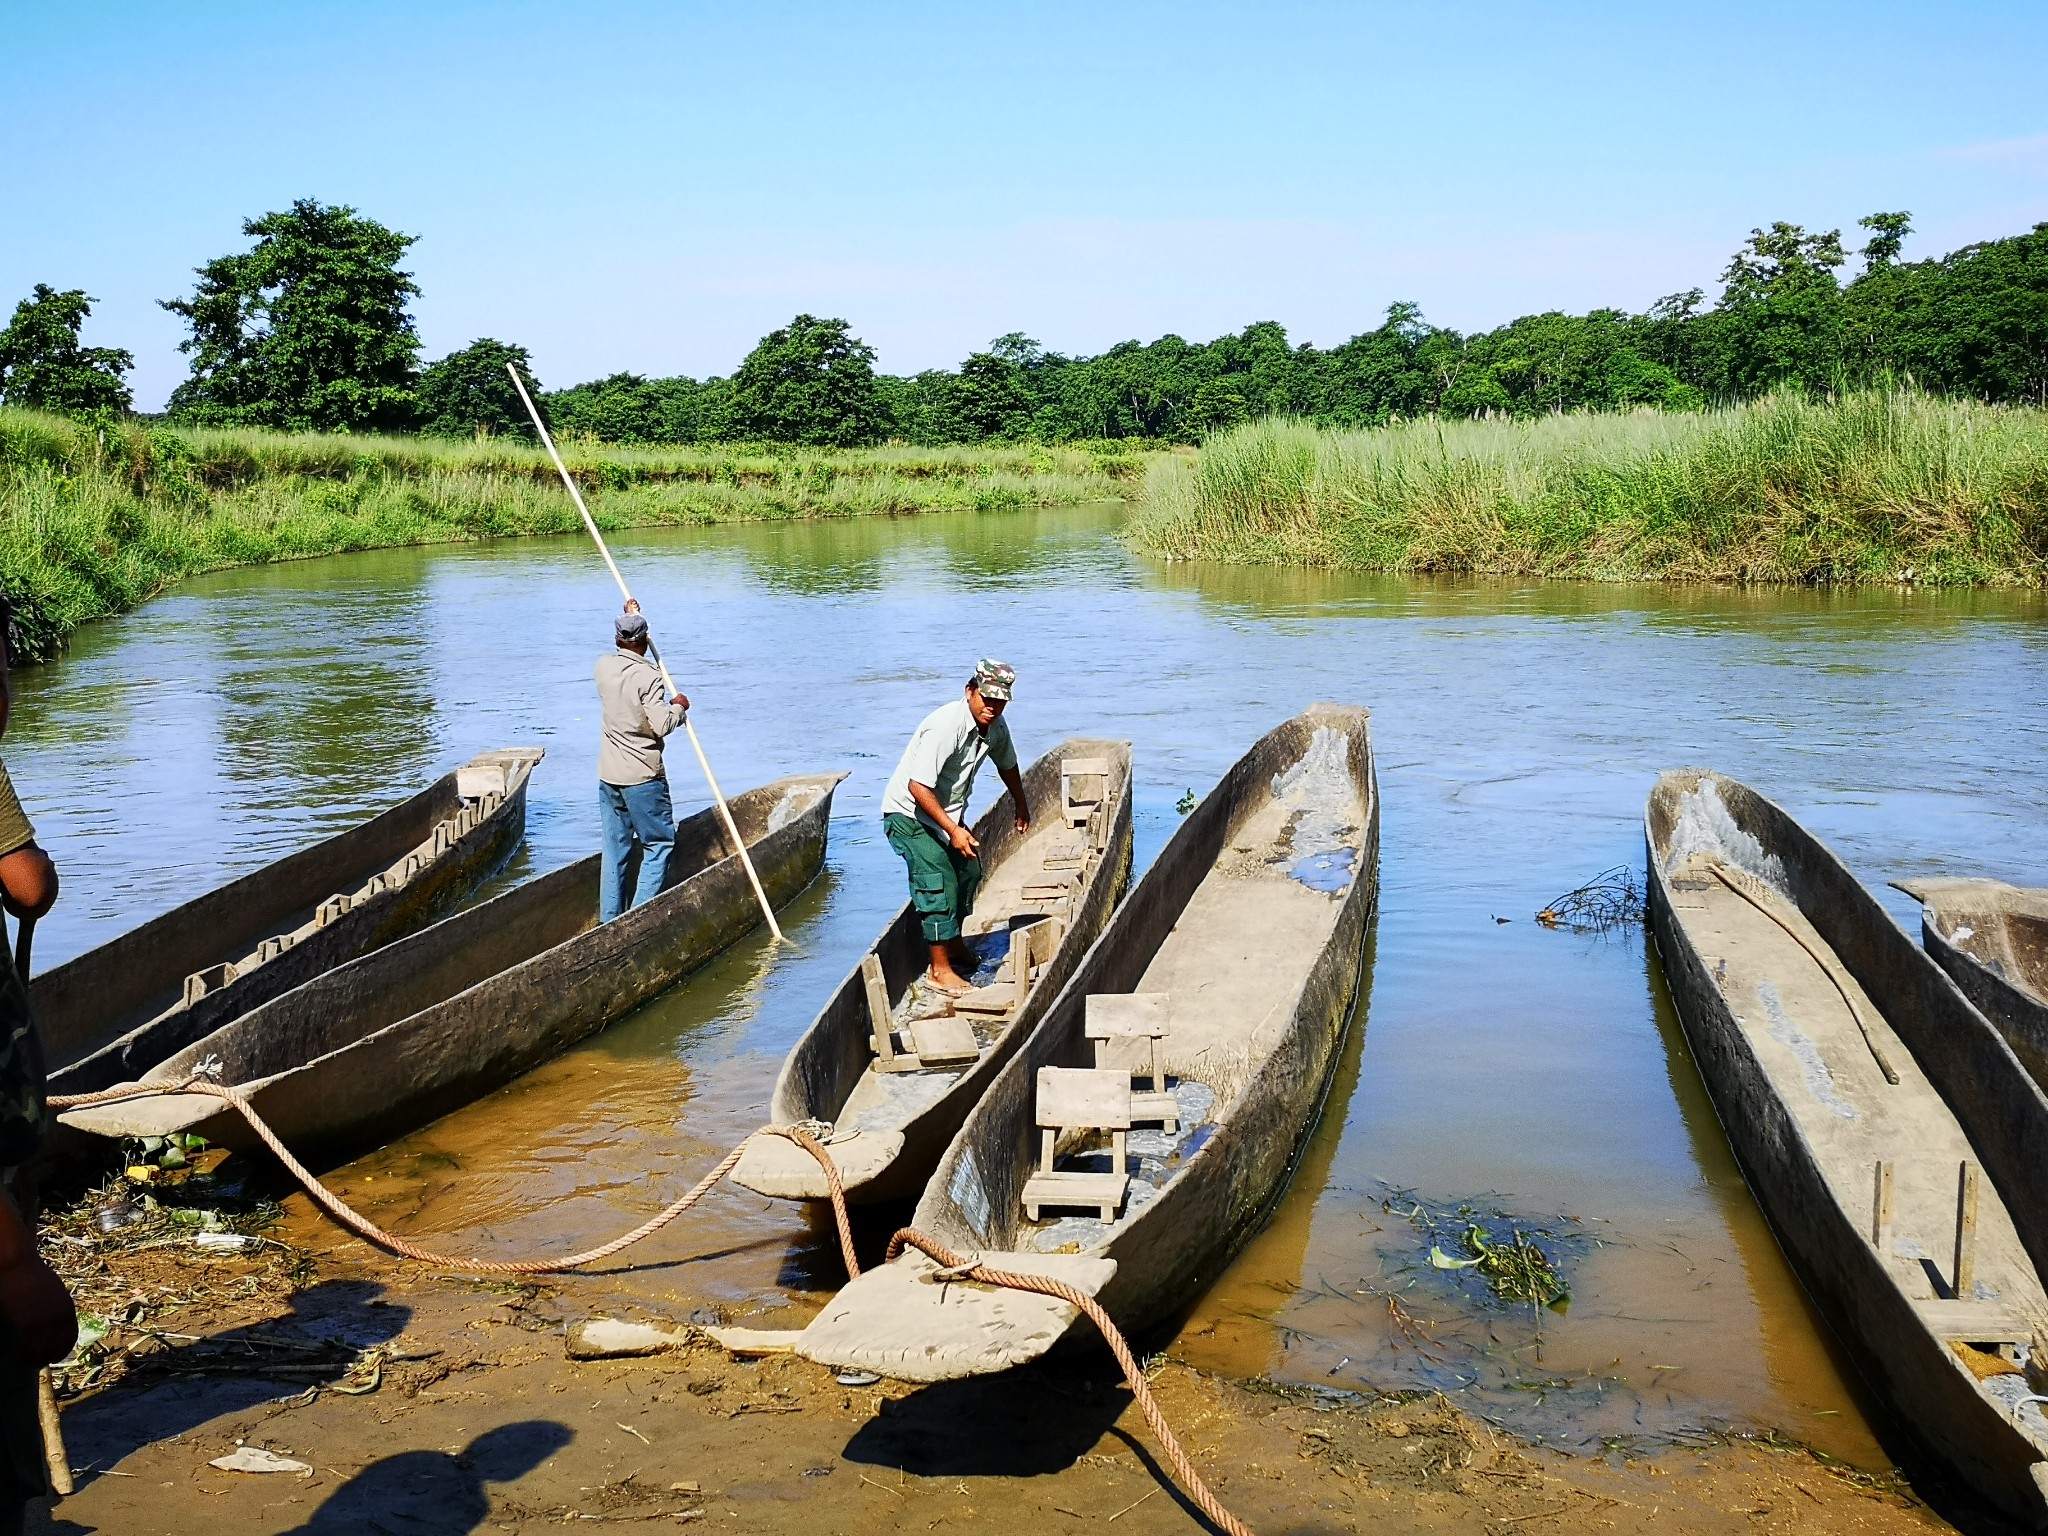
[(949, 982)]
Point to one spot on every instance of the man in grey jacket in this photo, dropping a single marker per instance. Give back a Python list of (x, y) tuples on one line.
[(633, 806)]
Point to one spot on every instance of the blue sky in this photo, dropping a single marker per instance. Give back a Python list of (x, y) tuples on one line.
[(651, 187)]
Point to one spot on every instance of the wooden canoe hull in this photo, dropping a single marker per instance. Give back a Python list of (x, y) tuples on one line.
[(1181, 1241), (2003, 995), (825, 1064), (116, 1011), (1915, 1374), (487, 994)]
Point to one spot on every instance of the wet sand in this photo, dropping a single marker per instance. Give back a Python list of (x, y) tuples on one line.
[(478, 1421)]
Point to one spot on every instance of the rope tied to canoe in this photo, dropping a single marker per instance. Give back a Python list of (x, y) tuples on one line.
[(909, 1237), (959, 1268), (364, 1228)]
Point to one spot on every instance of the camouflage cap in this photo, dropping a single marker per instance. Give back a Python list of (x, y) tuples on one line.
[(994, 679)]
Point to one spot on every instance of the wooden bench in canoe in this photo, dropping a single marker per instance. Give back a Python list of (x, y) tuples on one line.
[(1862, 1094), (1247, 935), (391, 1041), (1992, 939), (116, 1011), (1044, 897)]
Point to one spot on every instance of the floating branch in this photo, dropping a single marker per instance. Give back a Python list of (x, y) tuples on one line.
[(1611, 899)]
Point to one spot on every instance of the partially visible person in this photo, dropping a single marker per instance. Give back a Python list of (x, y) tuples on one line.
[(633, 806), (38, 1324), (925, 805)]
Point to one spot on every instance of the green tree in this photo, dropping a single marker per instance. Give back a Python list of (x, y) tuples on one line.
[(1780, 319), (43, 366), (1975, 322), (811, 382), (468, 393), (1888, 233), (307, 330)]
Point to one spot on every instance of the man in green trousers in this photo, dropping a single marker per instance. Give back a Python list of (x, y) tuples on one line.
[(925, 806)]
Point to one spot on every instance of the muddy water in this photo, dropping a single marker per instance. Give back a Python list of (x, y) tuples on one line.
[(1524, 1079)]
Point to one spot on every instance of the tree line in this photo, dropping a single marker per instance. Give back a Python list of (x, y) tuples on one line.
[(309, 329)]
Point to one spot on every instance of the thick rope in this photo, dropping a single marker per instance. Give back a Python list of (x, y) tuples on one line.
[(908, 1237), (1044, 1285), (363, 1227)]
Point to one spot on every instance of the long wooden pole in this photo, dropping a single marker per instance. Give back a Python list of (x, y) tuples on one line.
[(731, 827)]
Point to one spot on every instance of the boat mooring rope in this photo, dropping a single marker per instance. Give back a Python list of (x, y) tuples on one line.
[(908, 1237), (363, 1227), (1141, 1389)]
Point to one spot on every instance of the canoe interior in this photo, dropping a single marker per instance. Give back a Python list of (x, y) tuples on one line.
[(422, 1026), (829, 1074), (1992, 938), (1252, 922), (1792, 983), (110, 1014), (448, 958)]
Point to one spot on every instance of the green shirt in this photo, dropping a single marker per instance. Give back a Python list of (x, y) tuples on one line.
[(943, 755)]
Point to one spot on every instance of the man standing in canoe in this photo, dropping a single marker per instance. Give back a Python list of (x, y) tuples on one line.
[(924, 806), (633, 806)]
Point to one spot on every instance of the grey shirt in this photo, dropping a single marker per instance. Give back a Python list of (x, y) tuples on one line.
[(944, 753), (637, 713)]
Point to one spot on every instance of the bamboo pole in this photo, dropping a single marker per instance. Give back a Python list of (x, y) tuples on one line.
[(718, 795)]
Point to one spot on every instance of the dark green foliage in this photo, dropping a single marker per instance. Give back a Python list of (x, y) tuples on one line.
[(469, 393), (42, 365), (1974, 323), (626, 408), (812, 382), (307, 330)]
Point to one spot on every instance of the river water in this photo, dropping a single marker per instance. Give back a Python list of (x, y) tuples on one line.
[(1536, 1079)]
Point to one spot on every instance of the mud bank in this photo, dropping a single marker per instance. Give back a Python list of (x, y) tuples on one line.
[(426, 1402)]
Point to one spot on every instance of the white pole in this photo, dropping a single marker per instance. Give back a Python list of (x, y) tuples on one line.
[(731, 827)]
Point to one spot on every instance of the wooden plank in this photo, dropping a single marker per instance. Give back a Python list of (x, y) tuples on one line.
[(1084, 1098), (1881, 1213), (944, 1041), (1156, 1106), (1128, 1016), (998, 999), (1973, 1322), (881, 1016), (1965, 1271), (1104, 1191)]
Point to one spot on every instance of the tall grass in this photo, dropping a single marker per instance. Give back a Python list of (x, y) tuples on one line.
[(95, 519), (1877, 486)]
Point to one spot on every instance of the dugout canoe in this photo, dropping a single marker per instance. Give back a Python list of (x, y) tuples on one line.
[(887, 1122), (1992, 939), (1251, 927), (389, 1042), (116, 1011), (1862, 1092)]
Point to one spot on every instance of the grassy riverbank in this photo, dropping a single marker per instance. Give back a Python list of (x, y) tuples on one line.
[(95, 520), (1880, 487)]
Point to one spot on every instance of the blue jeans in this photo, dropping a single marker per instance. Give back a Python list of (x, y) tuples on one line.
[(636, 814)]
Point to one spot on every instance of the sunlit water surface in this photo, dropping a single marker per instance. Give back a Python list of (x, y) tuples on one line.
[(1531, 1074)]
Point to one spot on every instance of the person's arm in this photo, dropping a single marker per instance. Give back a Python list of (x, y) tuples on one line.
[(963, 841), (663, 714), (28, 881), (1015, 781), (38, 1309)]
